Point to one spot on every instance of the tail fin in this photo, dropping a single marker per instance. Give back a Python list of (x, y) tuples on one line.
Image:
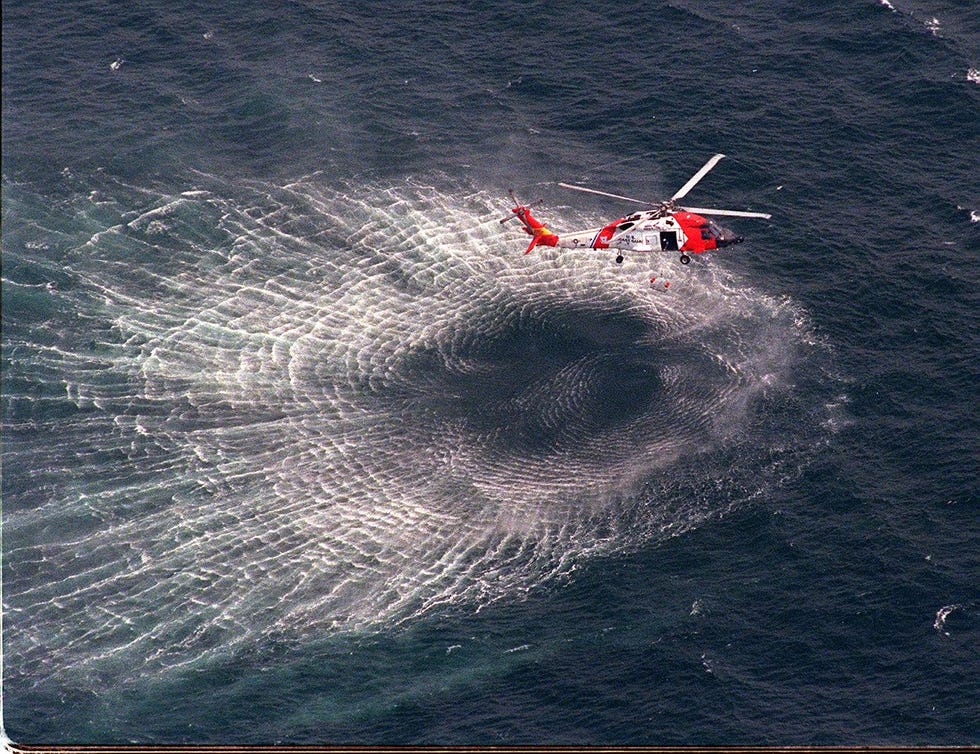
[(541, 234)]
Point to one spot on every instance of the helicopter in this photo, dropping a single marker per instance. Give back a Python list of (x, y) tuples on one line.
[(665, 227)]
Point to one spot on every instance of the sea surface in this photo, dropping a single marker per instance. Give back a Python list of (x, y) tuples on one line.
[(299, 447)]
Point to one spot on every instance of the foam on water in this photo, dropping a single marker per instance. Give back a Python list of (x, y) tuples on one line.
[(941, 615), (291, 410)]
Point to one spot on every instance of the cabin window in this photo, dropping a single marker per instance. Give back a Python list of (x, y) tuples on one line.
[(668, 240)]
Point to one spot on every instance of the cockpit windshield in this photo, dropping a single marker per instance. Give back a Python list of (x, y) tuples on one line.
[(712, 230)]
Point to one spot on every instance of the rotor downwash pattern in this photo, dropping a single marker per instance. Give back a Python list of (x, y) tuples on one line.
[(280, 411)]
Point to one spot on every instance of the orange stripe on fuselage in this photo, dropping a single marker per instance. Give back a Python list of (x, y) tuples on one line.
[(601, 240)]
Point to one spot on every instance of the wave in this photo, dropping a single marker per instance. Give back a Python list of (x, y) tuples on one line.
[(277, 412)]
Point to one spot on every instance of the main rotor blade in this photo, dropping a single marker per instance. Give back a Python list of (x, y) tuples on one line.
[(727, 212), (697, 177), (604, 193)]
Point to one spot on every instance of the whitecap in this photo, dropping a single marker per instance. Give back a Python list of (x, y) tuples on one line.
[(941, 615)]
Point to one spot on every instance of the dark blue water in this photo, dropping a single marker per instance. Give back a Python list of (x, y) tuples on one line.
[(298, 447)]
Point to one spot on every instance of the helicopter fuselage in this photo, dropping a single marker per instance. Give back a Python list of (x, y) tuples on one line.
[(653, 230), (664, 227)]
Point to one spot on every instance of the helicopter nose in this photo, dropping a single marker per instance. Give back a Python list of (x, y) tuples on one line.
[(729, 239)]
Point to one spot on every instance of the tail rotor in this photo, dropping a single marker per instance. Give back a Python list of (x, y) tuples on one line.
[(540, 233), (518, 205)]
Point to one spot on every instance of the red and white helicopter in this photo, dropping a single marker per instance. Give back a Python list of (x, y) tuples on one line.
[(664, 227)]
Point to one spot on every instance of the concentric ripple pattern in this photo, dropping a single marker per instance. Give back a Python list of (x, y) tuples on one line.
[(281, 411)]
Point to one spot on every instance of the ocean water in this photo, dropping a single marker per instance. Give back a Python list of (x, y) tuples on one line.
[(298, 447)]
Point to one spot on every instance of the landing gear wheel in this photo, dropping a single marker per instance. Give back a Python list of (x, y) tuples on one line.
[(619, 259), (685, 259)]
